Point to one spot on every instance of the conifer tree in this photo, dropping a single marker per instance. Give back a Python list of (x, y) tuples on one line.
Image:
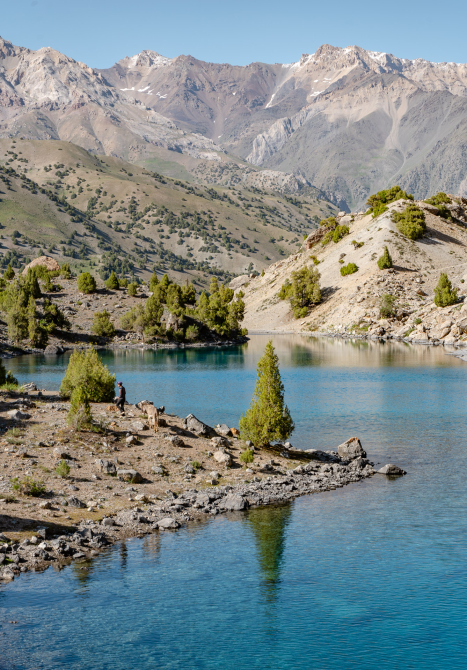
[(268, 418), (9, 273), (79, 415), (385, 261), (112, 282), (444, 293)]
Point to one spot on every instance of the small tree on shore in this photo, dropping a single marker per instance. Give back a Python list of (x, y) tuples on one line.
[(444, 293), (102, 325), (79, 415), (268, 418), (385, 261), (85, 369)]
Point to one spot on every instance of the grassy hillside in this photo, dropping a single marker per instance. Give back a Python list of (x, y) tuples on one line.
[(104, 213)]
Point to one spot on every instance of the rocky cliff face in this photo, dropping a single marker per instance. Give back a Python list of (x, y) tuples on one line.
[(348, 121)]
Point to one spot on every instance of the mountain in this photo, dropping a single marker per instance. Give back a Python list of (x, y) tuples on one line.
[(350, 121), (103, 214), (347, 121)]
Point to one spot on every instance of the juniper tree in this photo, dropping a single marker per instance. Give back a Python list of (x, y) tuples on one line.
[(79, 415), (112, 282), (444, 293), (86, 283), (85, 369), (268, 418), (9, 273), (385, 261)]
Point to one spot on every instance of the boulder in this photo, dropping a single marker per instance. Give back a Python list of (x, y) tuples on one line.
[(234, 503), (47, 262), (139, 425), (351, 449), (158, 470), (194, 425), (168, 523), (223, 429), (54, 349), (107, 521), (129, 476), (18, 415), (222, 457), (73, 501), (176, 440), (391, 470), (220, 442), (131, 439), (108, 467)]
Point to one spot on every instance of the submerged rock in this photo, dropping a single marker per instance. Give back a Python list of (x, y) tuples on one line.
[(392, 470)]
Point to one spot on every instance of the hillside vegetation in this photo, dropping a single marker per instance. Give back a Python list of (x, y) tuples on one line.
[(401, 274), (104, 214)]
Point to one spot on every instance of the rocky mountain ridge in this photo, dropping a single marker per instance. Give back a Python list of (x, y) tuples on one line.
[(348, 121)]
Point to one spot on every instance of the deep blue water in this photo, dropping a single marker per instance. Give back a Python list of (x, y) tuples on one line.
[(369, 576)]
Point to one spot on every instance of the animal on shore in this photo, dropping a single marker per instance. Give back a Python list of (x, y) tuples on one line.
[(152, 413)]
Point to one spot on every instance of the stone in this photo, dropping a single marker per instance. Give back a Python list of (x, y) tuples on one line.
[(131, 439), (223, 429), (108, 467), (141, 497), (46, 262), (234, 503), (176, 440), (42, 533), (220, 442), (58, 453), (391, 470), (18, 415), (107, 521), (168, 523), (158, 470), (53, 349), (45, 505), (351, 449), (129, 476), (73, 501), (214, 474), (194, 425), (139, 425), (222, 457)]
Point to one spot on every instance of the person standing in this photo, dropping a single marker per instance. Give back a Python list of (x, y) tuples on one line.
[(120, 402)]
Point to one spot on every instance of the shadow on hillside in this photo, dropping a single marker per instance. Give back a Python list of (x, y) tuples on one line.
[(436, 237), (17, 524)]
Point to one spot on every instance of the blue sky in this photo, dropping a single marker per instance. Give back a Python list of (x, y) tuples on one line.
[(101, 32)]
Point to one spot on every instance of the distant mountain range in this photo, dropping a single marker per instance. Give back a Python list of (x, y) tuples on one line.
[(347, 121)]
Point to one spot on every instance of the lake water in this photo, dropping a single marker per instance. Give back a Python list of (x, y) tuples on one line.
[(369, 576)]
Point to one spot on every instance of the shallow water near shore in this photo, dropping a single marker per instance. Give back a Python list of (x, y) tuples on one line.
[(369, 576)]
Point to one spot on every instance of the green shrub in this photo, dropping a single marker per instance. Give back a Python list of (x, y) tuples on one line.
[(85, 369), (123, 282), (9, 273), (339, 233), (65, 271), (79, 415), (112, 282), (349, 269), (53, 318), (315, 260), (357, 245), (153, 282), (410, 222), (196, 465), (385, 261), (444, 293), (268, 418), (247, 456), (192, 333), (417, 321), (330, 222), (6, 377), (102, 325), (86, 283), (28, 486), (438, 199), (132, 289), (303, 292), (377, 202), (63, 469), (387, 306)]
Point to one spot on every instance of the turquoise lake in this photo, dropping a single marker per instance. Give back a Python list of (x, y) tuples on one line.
[(371, 576)]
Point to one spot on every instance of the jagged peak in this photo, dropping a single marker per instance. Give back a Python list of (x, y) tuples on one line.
[(145, 58)]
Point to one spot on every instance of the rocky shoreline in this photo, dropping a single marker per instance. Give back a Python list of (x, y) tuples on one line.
[(312, 471)]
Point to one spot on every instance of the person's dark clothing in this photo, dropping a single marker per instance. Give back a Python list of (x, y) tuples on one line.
[(121, 399)]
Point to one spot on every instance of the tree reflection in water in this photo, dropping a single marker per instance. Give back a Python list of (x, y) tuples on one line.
[(269, 528)]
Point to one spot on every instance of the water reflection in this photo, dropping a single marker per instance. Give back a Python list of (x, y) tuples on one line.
[(269, 525)]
